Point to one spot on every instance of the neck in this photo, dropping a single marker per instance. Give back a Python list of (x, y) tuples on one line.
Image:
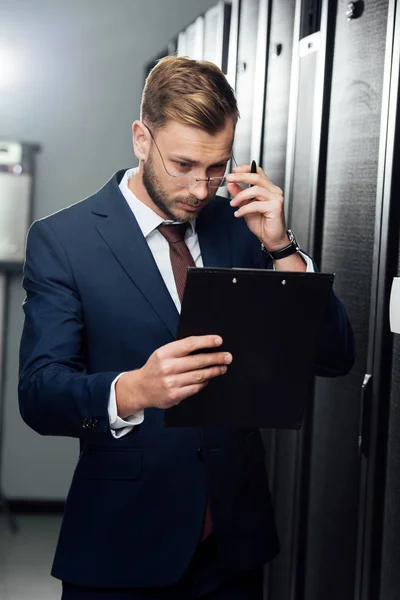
[(135, 184)]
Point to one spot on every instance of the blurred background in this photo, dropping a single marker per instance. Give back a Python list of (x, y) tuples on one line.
[(317, 88)]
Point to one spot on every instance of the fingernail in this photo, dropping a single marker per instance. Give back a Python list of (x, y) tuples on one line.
[(224, 369), (218, 341), (228, 358)]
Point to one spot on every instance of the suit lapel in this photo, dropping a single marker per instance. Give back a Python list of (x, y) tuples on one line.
[(119, 229), (121, 232)]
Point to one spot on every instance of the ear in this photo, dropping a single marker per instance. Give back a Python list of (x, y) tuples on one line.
[(141, 140)]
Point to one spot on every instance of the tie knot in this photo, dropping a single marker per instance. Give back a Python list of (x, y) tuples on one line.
[(173, 233)]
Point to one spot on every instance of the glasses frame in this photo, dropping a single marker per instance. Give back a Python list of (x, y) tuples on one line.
[(209, 180)]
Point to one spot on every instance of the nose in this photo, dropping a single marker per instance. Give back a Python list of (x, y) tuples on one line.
[(200, 190)]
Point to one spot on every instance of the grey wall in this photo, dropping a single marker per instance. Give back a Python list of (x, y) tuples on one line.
[(77, 92)]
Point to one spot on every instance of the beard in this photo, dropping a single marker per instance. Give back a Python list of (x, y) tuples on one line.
[(162, 198)]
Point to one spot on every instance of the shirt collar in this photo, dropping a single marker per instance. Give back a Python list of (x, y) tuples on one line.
[(147, 219)]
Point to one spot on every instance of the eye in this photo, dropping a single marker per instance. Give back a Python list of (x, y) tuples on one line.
[(183, 165)]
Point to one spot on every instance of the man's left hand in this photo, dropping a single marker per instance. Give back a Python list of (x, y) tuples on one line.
[(261, 205)]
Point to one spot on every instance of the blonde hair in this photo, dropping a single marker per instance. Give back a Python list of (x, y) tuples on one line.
[(192, 92)]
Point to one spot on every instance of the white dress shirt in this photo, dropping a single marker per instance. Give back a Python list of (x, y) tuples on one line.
[(148, 222)]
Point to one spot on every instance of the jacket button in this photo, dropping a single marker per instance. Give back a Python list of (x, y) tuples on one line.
[(95, 424), (85, 423), (200, 453)]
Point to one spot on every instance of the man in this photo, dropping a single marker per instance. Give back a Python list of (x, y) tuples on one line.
[(156, 512)]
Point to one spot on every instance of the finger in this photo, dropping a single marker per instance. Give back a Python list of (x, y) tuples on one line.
[(258, 178), (255, 193), (202, 361), (188, 345), (183, 393), (247, 169), (199, 377), (261, 208), (234, 189), (186, 364)]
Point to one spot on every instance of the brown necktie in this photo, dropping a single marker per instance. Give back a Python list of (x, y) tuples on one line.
[(181, 259), (179, 253)]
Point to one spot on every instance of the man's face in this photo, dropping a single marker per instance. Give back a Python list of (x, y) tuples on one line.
[(185, 151)]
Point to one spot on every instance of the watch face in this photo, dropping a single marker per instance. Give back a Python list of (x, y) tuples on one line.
[(292, 238)]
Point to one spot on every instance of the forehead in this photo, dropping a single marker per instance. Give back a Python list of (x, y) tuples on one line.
[(196, 144)]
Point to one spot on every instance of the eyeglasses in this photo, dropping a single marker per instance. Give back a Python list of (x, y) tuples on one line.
[(191, 180)]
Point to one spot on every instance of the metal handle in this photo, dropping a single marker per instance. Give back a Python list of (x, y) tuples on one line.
[(365, 415)]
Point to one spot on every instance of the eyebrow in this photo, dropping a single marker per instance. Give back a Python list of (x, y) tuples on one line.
[(196, 163)]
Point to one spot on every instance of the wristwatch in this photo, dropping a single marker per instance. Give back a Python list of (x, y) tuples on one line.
[(288, 250)]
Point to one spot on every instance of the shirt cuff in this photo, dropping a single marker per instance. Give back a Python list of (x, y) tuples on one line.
[(120, 427), (307, 260), (309, 263)]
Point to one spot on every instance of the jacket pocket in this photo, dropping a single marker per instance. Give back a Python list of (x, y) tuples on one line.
[(116, 464)]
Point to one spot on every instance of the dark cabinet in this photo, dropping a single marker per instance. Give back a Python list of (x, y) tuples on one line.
[(317, 88)]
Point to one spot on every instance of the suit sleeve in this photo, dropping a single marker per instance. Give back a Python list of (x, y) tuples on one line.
[(336, 349), (56, 394), (335, 353)]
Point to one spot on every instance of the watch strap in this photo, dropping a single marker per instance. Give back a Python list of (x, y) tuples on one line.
[(284, 252)]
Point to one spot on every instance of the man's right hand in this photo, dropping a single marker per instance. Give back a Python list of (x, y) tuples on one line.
[(171, 374)]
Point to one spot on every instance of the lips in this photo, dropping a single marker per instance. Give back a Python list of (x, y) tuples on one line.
[(191, 207)]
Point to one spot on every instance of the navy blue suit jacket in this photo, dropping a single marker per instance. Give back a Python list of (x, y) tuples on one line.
[(96, 305)]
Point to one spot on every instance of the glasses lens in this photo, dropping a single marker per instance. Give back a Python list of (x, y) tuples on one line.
[(217, 182), (188, 181), (183, 180)]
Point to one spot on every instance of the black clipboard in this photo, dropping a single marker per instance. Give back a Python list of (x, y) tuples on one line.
[(270, 321)]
